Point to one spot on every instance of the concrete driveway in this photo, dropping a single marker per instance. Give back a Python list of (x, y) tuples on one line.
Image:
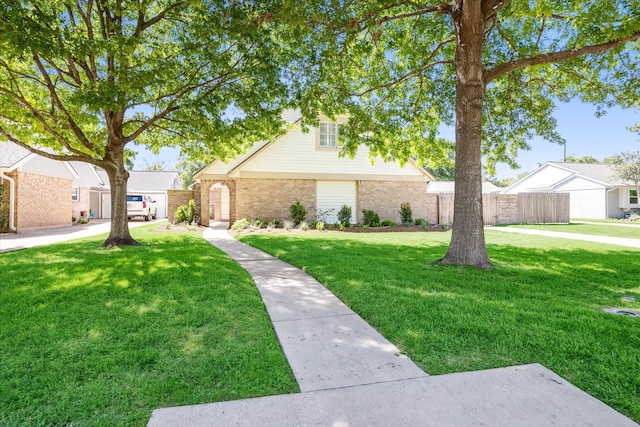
[(12, 242)]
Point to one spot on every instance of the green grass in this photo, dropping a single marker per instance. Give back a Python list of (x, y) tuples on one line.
[(541, 303), (596, 229), (93, 337), (608, 221)]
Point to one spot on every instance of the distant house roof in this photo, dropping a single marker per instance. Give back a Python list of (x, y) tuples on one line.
[(449, 187), (598, 171), (149, 180), (87, 176), (11, 154)]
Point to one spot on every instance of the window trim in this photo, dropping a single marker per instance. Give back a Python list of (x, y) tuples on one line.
[(632, 196), (319, 146), (75, 194)]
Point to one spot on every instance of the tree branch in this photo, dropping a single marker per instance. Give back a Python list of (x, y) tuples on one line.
[(491, 8), (78, 156), (56, 101), (143, 25), (490, 75)]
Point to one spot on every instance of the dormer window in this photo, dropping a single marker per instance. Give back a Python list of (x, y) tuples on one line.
[(329, 135)]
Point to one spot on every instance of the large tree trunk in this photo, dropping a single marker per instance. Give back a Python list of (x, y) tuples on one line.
[(118, 177), (467, 240)]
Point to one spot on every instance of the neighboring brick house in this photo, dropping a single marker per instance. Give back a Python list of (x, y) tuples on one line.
[(269, 177), (40, 189)]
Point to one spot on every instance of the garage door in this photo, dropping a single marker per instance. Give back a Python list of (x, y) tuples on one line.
[(106, 205), (334, 194), (161, 203)]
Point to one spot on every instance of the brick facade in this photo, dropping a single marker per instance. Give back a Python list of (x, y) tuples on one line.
[(272, 198), (253, 198), (177, 198), (508, 208), (433, 209), (83, 204), (42, 201), (385, 198)]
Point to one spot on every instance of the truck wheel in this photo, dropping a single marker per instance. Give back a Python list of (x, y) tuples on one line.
[(148, 217)]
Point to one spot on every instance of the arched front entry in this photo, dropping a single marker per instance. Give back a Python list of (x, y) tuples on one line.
[(217, 201)]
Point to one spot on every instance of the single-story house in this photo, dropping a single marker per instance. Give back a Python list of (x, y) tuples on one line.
[(38, 190), (305, 166), (155, 184), (594, 188)]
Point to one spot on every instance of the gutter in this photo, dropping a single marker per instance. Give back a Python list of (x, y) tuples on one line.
[(12, 192)]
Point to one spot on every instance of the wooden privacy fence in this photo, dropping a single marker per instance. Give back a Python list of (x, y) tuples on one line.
[(521, 208)]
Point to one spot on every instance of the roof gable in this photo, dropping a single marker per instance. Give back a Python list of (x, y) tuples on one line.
[(11, 155), (597, 171), (296, 154)]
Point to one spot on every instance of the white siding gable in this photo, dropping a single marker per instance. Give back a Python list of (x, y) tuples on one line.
[(297, 155), (39, 165), (541, 179)]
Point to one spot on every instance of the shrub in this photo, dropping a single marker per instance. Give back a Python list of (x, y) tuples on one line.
[(298, 212), (240, 224), (634, 217), (254, 225), (371, 219), (387, 223), (344, 215), (276, 223), (421, 222), (320, 226), (406, 215), (4, 208), (263, 221), (303, 226), (288, 225), (323, 214), (271, 225), (186, 213), (340, 226)]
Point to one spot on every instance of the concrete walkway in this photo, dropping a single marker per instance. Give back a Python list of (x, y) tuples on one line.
[(349, 375), (619, 241), (13, 242)]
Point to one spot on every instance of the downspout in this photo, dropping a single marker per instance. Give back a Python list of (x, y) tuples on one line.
[(12, 192), (606, 201)]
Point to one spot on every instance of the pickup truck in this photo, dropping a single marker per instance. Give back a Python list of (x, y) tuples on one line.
[(141, 205)]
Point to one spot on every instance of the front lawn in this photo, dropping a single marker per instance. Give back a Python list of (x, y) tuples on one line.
[(603, 229), (94, 337), (542, 302)]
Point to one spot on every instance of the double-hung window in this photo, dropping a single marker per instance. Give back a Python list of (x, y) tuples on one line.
[(329, 135), (75, 196), (633, 197)]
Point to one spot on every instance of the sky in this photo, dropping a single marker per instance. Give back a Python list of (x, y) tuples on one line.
[(586, 135)]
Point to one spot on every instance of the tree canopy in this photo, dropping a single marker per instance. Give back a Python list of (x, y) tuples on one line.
[(82, 80), (494, 69)]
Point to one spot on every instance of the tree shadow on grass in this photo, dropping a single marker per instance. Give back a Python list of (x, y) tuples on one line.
[(542, 303), (102, 337)]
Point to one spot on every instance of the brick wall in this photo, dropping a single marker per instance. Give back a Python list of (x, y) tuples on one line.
[(272, 198), (385, 198), (433, 210), (42, 201), (177, 198), (83, 204), (508, 208)]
